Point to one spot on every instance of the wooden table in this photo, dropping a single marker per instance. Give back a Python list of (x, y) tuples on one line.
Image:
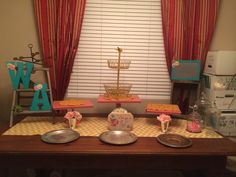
[(207, 155)]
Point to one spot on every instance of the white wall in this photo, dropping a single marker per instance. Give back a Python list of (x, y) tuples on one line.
[(225, 32), (17, 30)]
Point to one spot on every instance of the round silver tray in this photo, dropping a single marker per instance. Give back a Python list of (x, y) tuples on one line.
[(60, 136), (117, 137), (174, 140)]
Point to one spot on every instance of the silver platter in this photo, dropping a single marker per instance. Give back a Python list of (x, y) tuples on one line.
[(174, 140), (60, 136), (117, 137)]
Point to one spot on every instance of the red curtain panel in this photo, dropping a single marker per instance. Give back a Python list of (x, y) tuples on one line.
[(188, 27), (59, 25)]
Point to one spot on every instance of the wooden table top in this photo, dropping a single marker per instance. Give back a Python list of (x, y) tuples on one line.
[(32, 145), (207, 155)]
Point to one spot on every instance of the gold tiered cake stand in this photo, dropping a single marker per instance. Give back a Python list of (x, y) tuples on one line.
[(118, 90)]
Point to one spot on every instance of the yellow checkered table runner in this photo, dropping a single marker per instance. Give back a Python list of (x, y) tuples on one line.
[(94, 126)]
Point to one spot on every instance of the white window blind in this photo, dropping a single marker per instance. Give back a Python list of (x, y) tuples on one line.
[(136, 27)]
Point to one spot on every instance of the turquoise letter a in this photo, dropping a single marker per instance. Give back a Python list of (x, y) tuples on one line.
[(43, 100)]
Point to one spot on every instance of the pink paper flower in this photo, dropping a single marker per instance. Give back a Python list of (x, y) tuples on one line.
[(73, 114), (194, 127), (164, 118), (114, 122), (38, 87), (69, 115), (11, 66)]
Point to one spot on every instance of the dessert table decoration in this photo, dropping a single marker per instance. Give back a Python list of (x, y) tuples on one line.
[(174, 140), (157, 108), (194, 121), (120, 119), (193, 126), (117, 89), (165, 121), (74, 118), (118, 137), (60, 136)]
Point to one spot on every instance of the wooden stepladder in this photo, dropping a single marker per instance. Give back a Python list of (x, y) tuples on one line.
[(29, 97)]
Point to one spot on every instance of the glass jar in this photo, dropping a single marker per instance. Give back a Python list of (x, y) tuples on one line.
[(194, 123), (212, 116), (202, 104)]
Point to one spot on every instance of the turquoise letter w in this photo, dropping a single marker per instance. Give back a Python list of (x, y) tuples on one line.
[(19, 73)]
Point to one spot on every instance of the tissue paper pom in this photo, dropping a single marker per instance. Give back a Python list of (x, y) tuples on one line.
[(194, 127), (164, 118), (38, 87), (69, 115), (73, 114), (11, 66)]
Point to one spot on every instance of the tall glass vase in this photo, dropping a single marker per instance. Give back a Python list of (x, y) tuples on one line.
[(212, 116)]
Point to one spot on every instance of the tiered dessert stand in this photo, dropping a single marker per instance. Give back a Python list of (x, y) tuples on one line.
[(118, 92)]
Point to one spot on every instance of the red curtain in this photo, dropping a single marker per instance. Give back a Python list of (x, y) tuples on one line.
[(59, 25), (188, 27)]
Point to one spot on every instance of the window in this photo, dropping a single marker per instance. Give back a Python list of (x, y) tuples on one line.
[(134, 26)]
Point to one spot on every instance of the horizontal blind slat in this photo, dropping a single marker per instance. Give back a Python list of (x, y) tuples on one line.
[(136, 27)]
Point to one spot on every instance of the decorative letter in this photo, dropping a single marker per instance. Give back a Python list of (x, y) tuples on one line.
[(40, 100), (20, 71)]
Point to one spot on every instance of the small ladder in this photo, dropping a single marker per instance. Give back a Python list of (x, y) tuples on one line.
[(16, 100)]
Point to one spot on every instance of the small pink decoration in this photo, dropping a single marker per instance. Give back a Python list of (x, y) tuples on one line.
[(114, 122), (165, 120), (38, 87), (194, 127), (11, 66), (120, 119), (74, 118)]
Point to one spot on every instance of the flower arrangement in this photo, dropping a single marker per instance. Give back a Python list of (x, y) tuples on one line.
[(11, 66), (165, 120), (38, 87), (74, 118), (194, 126)]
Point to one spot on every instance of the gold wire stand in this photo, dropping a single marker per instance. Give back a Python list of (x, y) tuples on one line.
[(117, 90)]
